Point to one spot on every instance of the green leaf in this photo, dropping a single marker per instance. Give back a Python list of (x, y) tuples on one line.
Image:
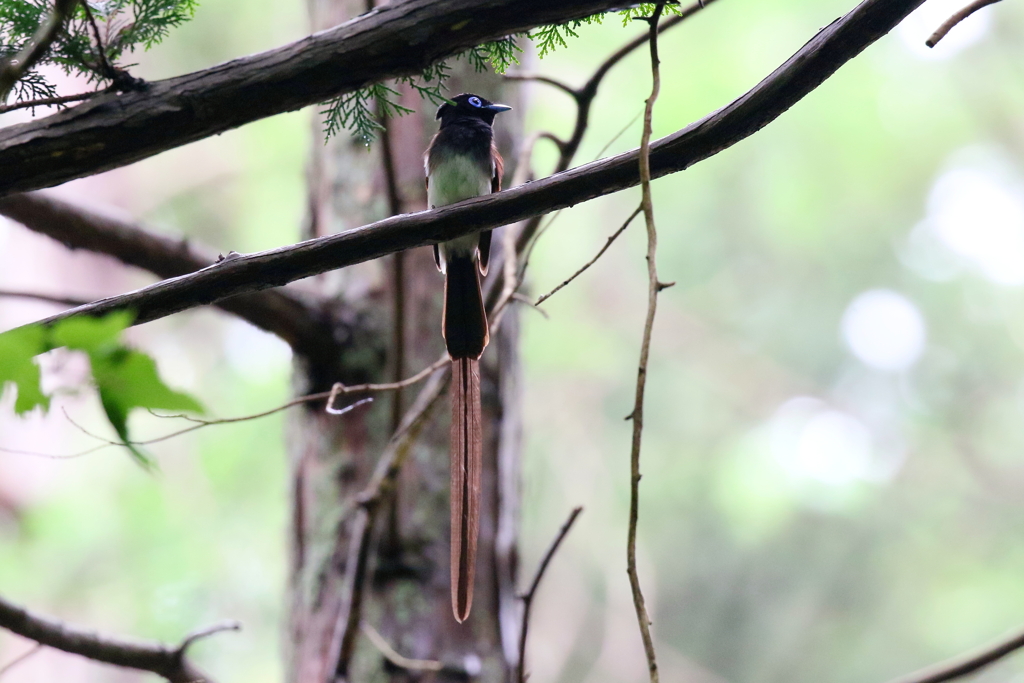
[(125, 378), (91, 334), (128, 379), (118, 417), (17, 349)]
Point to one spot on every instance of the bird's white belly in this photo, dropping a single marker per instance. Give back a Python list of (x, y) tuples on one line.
[(455, 179)]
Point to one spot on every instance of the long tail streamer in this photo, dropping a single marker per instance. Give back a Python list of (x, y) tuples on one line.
[(466, 456)]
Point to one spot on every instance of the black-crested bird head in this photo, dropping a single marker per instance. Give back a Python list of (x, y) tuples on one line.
[(469, 106)]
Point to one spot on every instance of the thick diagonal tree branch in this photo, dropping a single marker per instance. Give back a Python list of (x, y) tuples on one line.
[(398, 39), (832, 47), (293, 318), (163, 660)]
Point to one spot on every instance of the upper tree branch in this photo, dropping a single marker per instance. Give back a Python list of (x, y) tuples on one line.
[(398, 39), (297, 321), (167, 661), (833, 46)]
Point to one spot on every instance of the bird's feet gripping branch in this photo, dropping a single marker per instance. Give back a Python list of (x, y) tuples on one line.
[(463, 162)]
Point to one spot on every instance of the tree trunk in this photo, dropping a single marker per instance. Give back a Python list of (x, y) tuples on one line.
[(405, 591)]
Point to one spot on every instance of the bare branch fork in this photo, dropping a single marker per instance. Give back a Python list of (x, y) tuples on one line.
[(585, 94), (164, 660), (832, 47), (531, 593)]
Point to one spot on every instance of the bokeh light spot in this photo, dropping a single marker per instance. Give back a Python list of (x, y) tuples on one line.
[(884, 330), (812, 441), (980, 217)]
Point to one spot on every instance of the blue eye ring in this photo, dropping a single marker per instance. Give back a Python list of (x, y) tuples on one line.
[(475, 101)]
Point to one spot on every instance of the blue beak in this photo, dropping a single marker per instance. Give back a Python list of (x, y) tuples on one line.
[(498, 108)]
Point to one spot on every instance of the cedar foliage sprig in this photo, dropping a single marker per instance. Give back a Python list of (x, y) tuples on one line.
[(360, 112), (122, 25)]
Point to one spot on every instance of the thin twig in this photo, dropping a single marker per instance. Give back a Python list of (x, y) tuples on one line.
[(207, 631), (330, 396), (523, 299), (948, 25), (245, 418), (653, 287), (86, 431), (392, 655), (592, 261), (13, 68), (618, 135), (164, 660), (540, 78), (391, 386), (54, 456), (331, 410), (105, 67), (535, 584), (49, 101), (48, 298), (20, 658), (967, 664)]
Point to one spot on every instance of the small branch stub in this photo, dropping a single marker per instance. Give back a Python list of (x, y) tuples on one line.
[(960, 16)]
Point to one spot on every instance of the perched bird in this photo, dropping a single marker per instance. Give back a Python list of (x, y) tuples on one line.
[(462, 162)]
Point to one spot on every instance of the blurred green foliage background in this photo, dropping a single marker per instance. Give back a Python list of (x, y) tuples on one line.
[(833, 489)]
